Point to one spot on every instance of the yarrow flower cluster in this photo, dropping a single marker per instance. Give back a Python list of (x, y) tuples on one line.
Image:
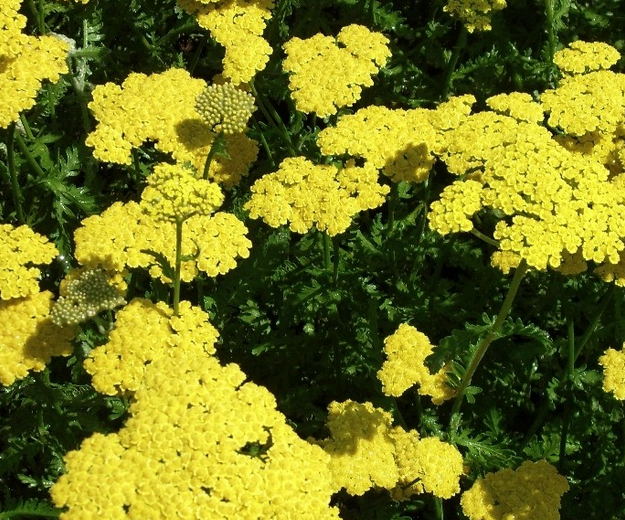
[(531, 492), (161, 108), (26, 62), (328, 73), (304, 194), (20, 250), (581, 57), (238, 25), (174, 194), (613, 363), (225, 108), (401, 143), (474, 14), (561, 208), (28, 337), (406, 351), (368, 452), (115, 240), (198, 434), (83, 294)]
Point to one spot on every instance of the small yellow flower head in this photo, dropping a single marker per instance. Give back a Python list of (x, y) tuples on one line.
[(238, 25), (114, 241), (474, 14), (581, 57), (613, 363), (25, 62), (174, 194), (20, 249), (406, 351), (532, 492), (458, 202), (225, 108), (361, 447), (327, 73), (29, 338), (304, 195), (84, 293), (518, 105), (425, 465)]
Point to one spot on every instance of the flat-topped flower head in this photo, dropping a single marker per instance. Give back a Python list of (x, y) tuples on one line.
[(83, 294), (581, 57), (474, 14), (225, 108), (174, 193), (613, 363), (328, 73), (20, 250), (531, 492)]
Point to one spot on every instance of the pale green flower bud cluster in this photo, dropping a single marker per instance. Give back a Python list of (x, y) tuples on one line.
[(226, 108), (83, 296)]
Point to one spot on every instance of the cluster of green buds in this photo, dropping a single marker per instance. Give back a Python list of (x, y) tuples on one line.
[(225, 108), (83, 296)]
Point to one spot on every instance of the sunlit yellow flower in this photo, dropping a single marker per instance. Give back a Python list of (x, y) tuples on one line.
[(304, 194), (613, 363), (328, 73), (581, 57), (20, 250)]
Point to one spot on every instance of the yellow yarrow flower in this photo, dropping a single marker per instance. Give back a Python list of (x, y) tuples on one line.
[(20, 249), (406, 351), (26, 61), (225, 108), (128, 117), (613, 363), (304, 194), (426, 465), (531, 492), (238, 25), (518, 105), (474, 14), (581, 57), (29, 338), (214, 444), (114, 241), (328, 73), (361, 447), (174, 194)]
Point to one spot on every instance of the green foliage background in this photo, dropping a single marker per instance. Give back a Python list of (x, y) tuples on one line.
[(313, 334)]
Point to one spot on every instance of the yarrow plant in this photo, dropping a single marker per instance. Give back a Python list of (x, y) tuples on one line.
[(392, 167)]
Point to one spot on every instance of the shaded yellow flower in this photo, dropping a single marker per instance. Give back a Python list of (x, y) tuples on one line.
[(474, 14), (531, 492), (29, 338)]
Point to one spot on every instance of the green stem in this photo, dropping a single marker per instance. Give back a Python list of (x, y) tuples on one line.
[(178, 266), (438, 507), (392, 204), (16, 191), (485, 238), (595, 321), (570, 368), (551, 35), (274, 119), (327, 255), (264, 142), (486, 341), (336, 257), (218, 142), (29, 157), (461, 42)]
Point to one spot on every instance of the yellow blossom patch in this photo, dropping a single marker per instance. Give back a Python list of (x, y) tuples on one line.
[(29, 338), (613, 363), (581, 57), (328, 73), (474, 14)]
